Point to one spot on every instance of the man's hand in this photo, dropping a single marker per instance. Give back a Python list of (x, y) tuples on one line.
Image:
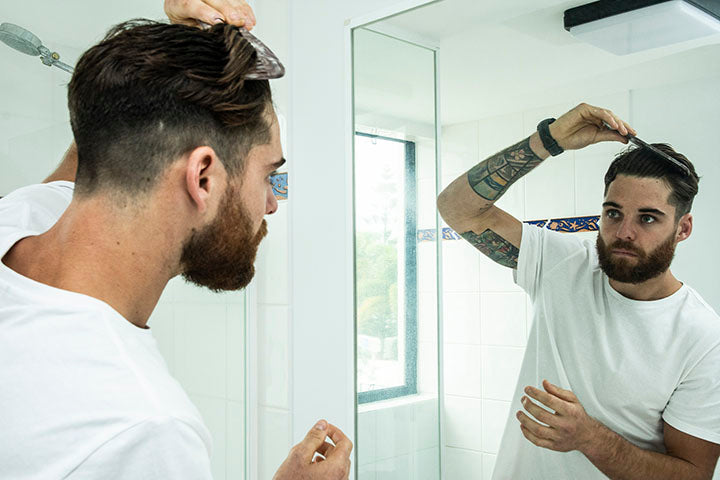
[(568, 428), (583, 126), (316, 458), (210, 12)]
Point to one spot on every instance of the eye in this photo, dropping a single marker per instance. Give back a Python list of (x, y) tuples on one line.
[(647, 219), (612, 213)]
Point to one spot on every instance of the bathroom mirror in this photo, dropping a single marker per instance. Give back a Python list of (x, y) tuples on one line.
[(395, 257), (504, 67)]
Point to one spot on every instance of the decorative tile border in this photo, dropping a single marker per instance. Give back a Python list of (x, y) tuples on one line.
[(567, 225), (280, 185)]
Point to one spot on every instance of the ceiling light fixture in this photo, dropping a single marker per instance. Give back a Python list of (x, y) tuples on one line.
[(628, 26)]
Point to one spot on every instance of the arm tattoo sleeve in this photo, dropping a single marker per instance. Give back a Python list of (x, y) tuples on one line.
[(494, 246), (492, 177)]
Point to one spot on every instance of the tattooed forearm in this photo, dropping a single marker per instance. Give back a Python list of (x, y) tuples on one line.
[(492, 177), (494, 246)]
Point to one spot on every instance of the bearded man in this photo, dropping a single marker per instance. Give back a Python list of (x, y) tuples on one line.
[(620, 375), (176, 142)]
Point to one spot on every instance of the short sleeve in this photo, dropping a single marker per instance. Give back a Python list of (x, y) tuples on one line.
[(35, 208), (541, 250), (156, 449), (694, 407)]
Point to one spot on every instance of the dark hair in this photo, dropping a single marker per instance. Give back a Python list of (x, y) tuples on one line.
[(150, 92), (642, 162)]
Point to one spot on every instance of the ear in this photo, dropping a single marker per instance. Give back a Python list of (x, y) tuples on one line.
[(684, 228), (205, 177)]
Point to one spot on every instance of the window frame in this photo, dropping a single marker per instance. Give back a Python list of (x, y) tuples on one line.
[(411, 284)]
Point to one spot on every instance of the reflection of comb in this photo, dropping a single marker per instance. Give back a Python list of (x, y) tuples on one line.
[(636, 141), (268, 65)]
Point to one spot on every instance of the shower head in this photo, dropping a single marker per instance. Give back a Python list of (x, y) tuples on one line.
[(25, 42), (20, 39)]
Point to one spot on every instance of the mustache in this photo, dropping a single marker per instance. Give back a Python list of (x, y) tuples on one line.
[(625, 245)]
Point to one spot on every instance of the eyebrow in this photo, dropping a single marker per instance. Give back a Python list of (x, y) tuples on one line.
[(641, 210), (278, 164)]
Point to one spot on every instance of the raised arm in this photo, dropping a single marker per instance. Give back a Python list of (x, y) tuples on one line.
[(467, 204)]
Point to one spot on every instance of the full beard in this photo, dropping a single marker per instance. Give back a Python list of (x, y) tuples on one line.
[(646, 267), (221, 256)]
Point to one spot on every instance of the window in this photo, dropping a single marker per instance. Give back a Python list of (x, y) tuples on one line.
[(385, 267)]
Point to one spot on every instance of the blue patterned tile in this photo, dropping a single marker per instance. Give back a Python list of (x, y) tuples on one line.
[(567, 225), (280, 185)]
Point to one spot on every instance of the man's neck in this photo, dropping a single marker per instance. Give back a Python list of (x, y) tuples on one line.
[(656, 288), (118, 257)]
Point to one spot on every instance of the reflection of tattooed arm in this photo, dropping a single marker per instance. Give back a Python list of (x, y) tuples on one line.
[(467, 203), (495, 247), (492, 177)]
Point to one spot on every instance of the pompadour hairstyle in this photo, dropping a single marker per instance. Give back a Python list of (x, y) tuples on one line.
[(150, 92), (642, 162)]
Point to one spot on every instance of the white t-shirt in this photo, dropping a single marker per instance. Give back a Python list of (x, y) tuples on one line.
[(632, 364), (84, 394)]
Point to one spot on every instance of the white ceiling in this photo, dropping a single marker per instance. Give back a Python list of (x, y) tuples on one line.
[(512, 55)]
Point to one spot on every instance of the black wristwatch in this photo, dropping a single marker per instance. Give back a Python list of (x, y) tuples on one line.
[(548, 141)]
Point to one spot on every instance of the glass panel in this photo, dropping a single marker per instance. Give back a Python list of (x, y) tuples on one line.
[(395, 257)]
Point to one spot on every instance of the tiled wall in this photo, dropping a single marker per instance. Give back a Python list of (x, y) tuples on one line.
[(486, 316)]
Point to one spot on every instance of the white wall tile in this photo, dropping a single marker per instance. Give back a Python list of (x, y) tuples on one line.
[(463, 422), (459, 147), (462, 464), (274, 440), (513, 201), (396, 468), (200, 349), (550, 189), (214, 415), (461, 268), (366, 437), (462, 369), (235, 449), (503, 318), (427, 381), (426, 464), (235, 342), (425, 159), (272, 260), (461, 318), (501, 368), (590, 171), (394, 432), (427, 316), (488, 465), (494, 416), (426, 203), (425, 429), (367, 471), (497, 133), (273, 331), (427, 268)]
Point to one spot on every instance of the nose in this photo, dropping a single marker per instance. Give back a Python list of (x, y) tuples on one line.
[(625, 231), (271, 204)]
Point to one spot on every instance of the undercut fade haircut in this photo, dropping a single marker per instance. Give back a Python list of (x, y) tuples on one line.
[(150, 92), (642, 162)]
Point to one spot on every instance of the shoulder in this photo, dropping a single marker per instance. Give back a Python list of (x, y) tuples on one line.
[(35, 207)]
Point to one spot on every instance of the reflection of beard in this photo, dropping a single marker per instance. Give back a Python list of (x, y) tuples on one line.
[(222, 254), (645, 267)]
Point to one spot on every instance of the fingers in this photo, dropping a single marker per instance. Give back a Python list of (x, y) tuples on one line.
[(540, 442), (189, 13), (551, 401), (566, 395), (343, 445), (325, 449), (540, 431), (314, 439), (235, 12), (538, 412)]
